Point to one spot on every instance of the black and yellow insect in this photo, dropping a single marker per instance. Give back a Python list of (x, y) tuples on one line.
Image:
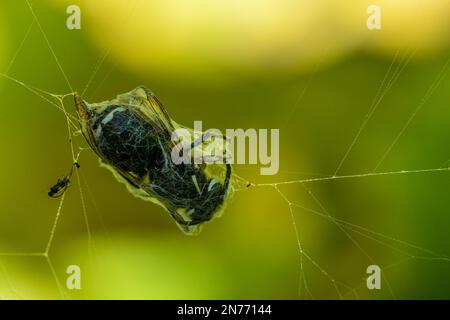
[(132, 136)]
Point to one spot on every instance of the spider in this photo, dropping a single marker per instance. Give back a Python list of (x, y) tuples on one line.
[(58, 189), (131, 134)]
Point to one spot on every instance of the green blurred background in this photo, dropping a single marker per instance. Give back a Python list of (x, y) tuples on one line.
[(310, 68)]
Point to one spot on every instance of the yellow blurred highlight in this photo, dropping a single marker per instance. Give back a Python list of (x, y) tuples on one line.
[(219, 38)]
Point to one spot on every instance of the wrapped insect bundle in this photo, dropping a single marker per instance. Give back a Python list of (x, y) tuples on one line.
[(132, 135)]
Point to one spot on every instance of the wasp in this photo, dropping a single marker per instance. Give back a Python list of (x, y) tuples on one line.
[(131, 134)]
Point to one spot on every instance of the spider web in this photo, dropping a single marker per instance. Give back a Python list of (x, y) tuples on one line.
[(308, 264)]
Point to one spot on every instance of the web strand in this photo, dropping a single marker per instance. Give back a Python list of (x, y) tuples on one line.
[(441, 76), (354, 176), (49, 46), (381, 93)]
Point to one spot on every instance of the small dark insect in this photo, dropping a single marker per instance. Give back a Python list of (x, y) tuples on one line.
[(132, 136), (58, 189)]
